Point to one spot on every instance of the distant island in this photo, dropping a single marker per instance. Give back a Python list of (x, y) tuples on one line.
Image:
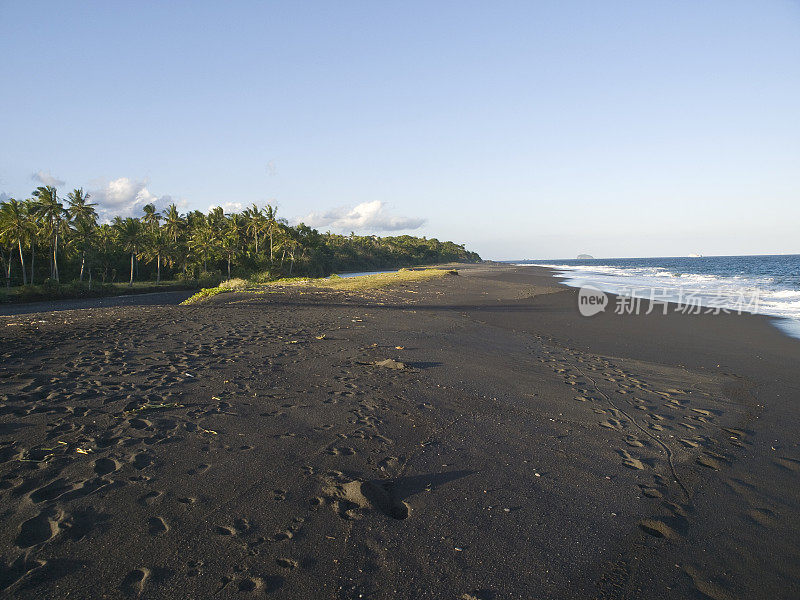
[(585, 257)]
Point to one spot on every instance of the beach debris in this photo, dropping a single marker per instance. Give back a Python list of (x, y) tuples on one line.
[(154, 406), (390, 363), (399, 347), (320, 337)]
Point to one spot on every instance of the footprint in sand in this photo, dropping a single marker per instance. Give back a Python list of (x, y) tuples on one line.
[(225, 530), (689, 443), (287, 563), (149, 498), (243, 526), (790, 464), (251, 584), (650, 492), (157, 526), (763, 516), (51, 491), (629, 461), (134, 582), (104, 466), (342, 451), (658, 529), (706, 587), (39, 529), (390, 463), (286, 534), (194, 568), (142, 460), (199, 469), (709, 462), (612, 424), (634, 442), (347, 499)]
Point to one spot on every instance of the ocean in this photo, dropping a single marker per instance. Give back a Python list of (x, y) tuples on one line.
[(765, 284)]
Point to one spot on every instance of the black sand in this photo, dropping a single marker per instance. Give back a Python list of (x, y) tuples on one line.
[(251, 447)]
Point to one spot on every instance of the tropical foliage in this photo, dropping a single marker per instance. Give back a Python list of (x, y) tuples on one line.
[(49, 239)]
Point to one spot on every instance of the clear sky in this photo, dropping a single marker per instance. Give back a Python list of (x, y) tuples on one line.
[(536, 129)]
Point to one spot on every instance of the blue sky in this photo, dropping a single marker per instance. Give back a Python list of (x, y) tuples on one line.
[(523, 129)]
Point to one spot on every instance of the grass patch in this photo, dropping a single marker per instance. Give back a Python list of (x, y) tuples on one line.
[(334, 282), (368, 282), (203, 294), (235, 284)]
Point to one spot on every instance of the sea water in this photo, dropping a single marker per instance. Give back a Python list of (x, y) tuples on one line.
[(764, 284)]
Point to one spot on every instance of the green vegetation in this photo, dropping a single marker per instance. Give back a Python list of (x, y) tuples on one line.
[(51, 249), (334, 282)]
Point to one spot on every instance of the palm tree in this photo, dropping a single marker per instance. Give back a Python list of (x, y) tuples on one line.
[(129, 232), (231, 237), (157, 246), (216, 219), (53, 214), (83, 238), (173, 222), (290, 243), (151, 217), (257, 224), (202, 243), (272, 226), (80, 209), (34, 230), (14, 227), (105, 245)]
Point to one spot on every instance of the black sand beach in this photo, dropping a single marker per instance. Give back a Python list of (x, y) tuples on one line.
[(263, 446)]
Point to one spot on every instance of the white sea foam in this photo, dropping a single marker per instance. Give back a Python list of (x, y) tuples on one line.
[(709, 290)]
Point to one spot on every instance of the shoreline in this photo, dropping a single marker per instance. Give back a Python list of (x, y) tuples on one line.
[(787, 326), (510, 448), (736, 300)]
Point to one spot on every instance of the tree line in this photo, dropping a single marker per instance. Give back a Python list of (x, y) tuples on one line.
[(51, 240)]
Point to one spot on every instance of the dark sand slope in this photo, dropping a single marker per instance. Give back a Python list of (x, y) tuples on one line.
[(225, 450)]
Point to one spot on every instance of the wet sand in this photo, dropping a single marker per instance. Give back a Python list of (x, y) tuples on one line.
[(264, 446)]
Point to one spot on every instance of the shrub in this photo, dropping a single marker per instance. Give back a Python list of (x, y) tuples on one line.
[(209, 279), (234, 284), (262, 277)]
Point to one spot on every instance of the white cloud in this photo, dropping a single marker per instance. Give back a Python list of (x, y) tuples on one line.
[(367, 216), (228, 207), (47, 179), (4, 197), (125, 197)]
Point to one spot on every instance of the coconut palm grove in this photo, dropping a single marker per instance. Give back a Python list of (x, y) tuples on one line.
[(55, 246)]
